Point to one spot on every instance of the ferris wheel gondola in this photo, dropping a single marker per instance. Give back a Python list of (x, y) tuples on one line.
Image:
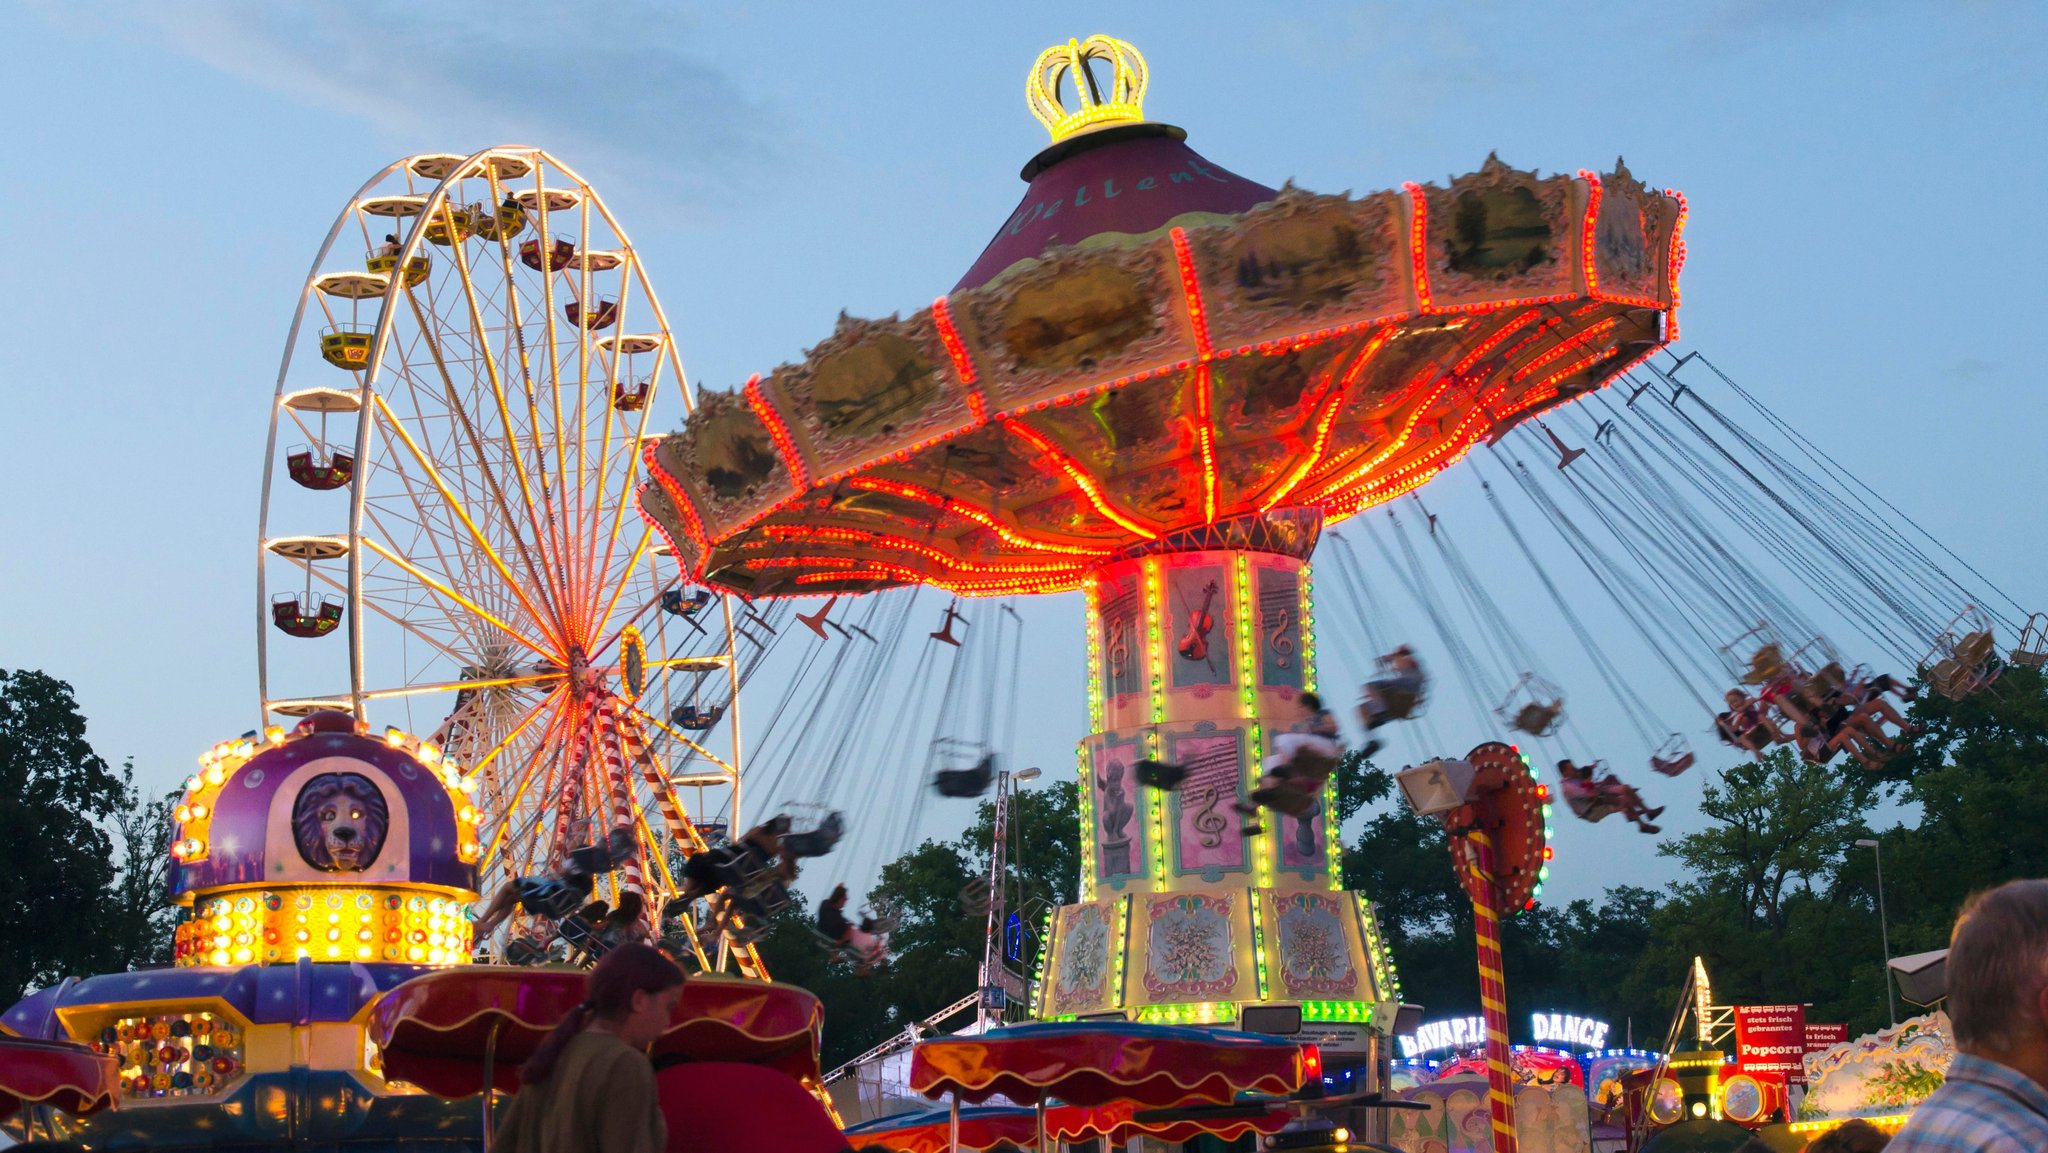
[(471, 430)]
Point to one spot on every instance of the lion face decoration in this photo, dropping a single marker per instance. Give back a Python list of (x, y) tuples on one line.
[(339, 822)]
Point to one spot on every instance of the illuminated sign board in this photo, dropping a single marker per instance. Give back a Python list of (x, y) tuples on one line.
[(1453, 1034), (1565, 1029), (1456, 1033)]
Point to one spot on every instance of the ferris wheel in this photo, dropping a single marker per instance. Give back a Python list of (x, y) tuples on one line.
[(448, 543)]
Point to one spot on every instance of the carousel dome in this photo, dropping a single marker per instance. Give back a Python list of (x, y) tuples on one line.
[(325, 842)]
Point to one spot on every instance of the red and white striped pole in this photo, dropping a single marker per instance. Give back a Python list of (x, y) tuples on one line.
[(1493, 994), (631, 877)]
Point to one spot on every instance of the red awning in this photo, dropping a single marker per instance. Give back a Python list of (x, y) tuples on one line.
[(58, 1073), (982, 1128), (433, 1029), (721, 1107), (1117, 1121), (1094, 1063)]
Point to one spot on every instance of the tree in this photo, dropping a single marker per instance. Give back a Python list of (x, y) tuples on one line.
[(1975, 773), (57, 859), (936, 949), (141, 929), (1781, 823)]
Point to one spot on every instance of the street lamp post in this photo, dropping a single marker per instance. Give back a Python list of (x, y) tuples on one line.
[(1883, 927)]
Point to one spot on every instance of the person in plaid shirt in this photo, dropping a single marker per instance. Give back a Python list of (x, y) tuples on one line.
[(1996, 1097)]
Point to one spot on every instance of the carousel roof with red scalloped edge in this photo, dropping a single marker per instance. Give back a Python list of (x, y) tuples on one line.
[(1313, 351)]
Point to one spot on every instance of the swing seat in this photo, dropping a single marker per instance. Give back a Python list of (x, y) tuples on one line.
[(1160, 775), (1285, 798), (1392, 699), (521, 951), (1537, 720), (1765, 665), (963, 783), (582, 937), (743, 871), (1588, 803), (974, 900), (816, 842), (595, 860), (2031, 652), (1672, 766), (1975, 648), (769, 900)]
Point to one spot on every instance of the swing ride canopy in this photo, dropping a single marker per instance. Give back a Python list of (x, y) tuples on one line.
[(1151, 346)]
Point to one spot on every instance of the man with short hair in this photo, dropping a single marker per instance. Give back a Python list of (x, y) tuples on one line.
[(1996, 1097)]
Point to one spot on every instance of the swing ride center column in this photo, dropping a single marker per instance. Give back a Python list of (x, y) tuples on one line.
[(1197, 656)]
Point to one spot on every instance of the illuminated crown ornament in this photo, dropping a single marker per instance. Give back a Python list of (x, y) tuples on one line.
[(1123, 100)]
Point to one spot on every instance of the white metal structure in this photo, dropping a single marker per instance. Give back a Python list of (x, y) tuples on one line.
[(455, 523)]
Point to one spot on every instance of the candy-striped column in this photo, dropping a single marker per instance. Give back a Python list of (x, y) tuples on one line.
[(672, 814), (632, 878), (1493, 996), (571, 798)]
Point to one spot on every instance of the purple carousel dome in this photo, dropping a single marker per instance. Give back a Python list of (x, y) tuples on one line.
[(324, 804)]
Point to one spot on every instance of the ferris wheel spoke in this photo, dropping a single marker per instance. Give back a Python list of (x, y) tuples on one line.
[(555, 739), (422, 576), (461, 686), (411, 627), (545, 706), (553, 488), (693, 746), (384, 584), (547, 303), (476, 534), (604, 619), (550, 521), (608, 376), (476, 441), (628, 475)]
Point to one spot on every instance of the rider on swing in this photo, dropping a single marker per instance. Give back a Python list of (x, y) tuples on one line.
[(1593, 796), (863, 942), (558, 895), (1394, 696), (1302, 760)]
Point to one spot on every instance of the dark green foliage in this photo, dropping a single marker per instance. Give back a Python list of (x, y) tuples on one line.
[(1776, 897), (73, 903), (936, 949)]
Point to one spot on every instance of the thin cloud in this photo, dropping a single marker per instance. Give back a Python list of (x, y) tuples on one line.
[(1970, 370), (609, 87)]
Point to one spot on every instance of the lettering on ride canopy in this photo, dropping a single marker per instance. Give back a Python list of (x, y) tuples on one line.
[(1086, 194)]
